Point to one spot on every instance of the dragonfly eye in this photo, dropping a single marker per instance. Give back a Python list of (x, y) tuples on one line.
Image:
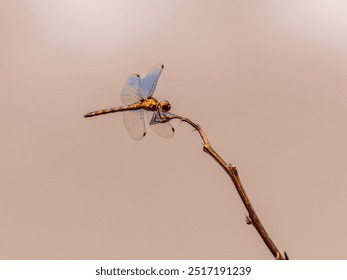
[(165, 106)]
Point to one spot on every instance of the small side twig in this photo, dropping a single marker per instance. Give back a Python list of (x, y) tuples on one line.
[(234, 176)]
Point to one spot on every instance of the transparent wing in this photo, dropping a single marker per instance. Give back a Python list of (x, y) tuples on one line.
[(149, 83), (134, 123), (130, 93), (165, 130)]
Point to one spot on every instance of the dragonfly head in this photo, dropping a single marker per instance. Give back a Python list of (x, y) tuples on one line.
[(165, 106)]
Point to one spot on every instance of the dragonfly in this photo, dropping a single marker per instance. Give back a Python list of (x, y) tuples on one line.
[(136, 95)]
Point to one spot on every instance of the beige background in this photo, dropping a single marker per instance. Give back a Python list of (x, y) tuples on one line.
[(265, 79)]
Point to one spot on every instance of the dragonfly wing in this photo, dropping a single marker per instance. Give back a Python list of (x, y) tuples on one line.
[(165, 130), (131, 91), (149, 83), (134, 123)]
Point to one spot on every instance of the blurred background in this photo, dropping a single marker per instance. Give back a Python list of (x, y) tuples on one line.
[(266, 80)]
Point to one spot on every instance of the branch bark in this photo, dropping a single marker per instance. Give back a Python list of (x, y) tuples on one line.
[(234, 176)]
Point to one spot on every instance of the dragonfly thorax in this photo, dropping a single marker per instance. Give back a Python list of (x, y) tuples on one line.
[(152, 104)]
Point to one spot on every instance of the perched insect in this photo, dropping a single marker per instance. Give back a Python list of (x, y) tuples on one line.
[(137, 96)]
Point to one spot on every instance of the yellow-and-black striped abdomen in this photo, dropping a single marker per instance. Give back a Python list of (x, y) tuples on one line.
[(135, 106)]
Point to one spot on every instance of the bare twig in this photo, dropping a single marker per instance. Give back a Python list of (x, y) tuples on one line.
[(234, 176)]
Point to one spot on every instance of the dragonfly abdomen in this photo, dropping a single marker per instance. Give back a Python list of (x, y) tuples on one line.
[(134, 106)]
